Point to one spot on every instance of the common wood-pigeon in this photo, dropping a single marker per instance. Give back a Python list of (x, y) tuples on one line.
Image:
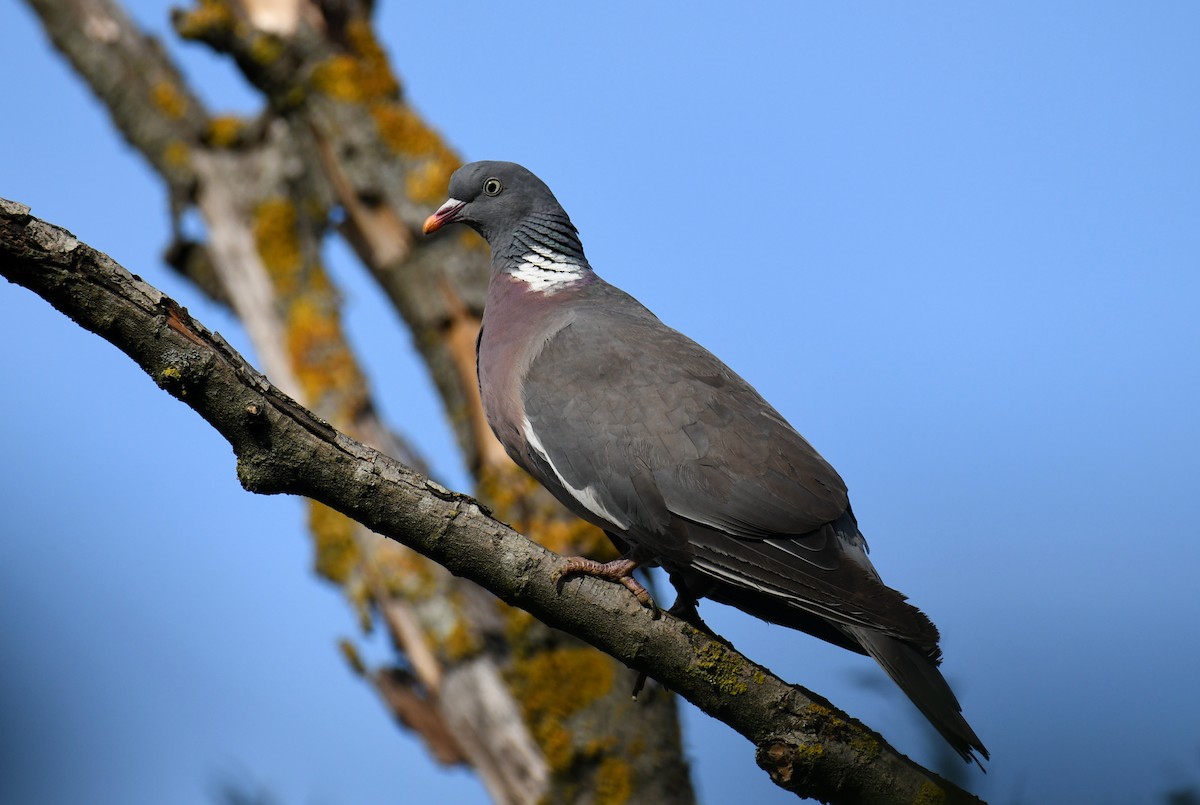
[(641, 431)]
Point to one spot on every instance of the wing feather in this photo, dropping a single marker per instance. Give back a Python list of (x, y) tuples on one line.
[(693, 466), (606, 408)]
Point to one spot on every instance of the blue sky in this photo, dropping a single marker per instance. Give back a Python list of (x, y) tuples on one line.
[(956, 244)]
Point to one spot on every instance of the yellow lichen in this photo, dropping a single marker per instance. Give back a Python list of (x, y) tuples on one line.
[(614, 784), (277, 241), (428, 180), (504, 488), (470, 239), (208, 18), (177, 154), (358, 594), (352, 657), (546, 675), (224, 131), (403, 131), (322, 360), (171, 379), (827, 716), (362, 74), (330, 380), (555, 741), (718, 665), (930, 794), (338, 78), (265, 48), (515, 498), (571, 537), (461, 643), (867, 747), (376, 75), (169, 99), (601, 746), (553, 685), (292, 97), (337, 552), (809, 752), (405, 573), (516, 622)]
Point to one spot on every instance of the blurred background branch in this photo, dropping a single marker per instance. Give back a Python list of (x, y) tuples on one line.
[(337, 148)]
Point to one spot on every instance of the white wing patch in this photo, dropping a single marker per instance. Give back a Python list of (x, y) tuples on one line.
[(586, 496), (547, 270)]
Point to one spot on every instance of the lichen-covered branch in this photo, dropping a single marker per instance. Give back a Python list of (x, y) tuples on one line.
[(335, 132), (802, 741), (386, 169)]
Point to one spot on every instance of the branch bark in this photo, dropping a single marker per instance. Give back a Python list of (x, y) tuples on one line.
[(806, 745)]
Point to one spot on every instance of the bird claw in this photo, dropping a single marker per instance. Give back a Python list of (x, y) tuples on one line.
[(619, 570), (686, 610)]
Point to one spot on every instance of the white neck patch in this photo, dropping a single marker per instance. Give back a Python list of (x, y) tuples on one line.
[(546, 270)]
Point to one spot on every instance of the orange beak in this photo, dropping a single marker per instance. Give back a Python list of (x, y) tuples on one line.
[(445, 214)]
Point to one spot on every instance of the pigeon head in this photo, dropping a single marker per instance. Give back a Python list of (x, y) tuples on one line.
[(495, 199)]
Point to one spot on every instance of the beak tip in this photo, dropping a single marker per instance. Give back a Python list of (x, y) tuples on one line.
[(445, 214)]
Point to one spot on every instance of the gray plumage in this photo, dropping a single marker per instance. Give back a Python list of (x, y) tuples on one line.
[(646, 434)]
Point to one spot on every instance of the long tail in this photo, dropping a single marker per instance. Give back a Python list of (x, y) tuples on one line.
[(923, 683)]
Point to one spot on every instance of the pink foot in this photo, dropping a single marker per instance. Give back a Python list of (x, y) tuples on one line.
[(620, 570)]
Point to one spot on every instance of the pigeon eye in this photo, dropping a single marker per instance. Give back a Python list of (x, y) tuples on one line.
[(492, 187)]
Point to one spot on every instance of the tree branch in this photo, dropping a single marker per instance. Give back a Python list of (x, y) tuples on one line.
[(806, 745)]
